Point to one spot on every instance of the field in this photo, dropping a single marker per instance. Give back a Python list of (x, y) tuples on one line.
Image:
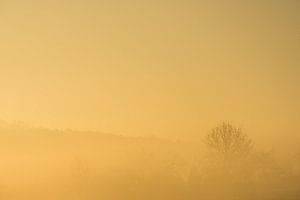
[(68, 165)]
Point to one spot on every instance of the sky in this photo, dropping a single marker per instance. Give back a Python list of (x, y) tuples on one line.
[(160, 67)]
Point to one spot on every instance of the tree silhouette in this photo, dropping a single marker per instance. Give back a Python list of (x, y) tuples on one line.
[(227, 141)]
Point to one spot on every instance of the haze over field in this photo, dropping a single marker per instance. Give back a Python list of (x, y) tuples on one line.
[(147, 98)]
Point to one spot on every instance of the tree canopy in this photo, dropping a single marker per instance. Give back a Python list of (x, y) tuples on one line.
[(228, 140)]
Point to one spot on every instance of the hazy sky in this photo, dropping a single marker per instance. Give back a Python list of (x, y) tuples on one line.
[(151, 67)]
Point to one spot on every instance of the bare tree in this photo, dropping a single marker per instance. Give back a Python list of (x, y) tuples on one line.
[(227, 141)]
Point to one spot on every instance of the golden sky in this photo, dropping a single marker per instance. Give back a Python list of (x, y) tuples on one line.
[(151, 67)]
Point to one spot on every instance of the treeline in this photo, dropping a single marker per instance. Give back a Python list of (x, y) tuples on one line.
[(45, 164)]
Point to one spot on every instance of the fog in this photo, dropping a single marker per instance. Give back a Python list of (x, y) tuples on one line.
[(149, 100), (64, 164), (171, 69)]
